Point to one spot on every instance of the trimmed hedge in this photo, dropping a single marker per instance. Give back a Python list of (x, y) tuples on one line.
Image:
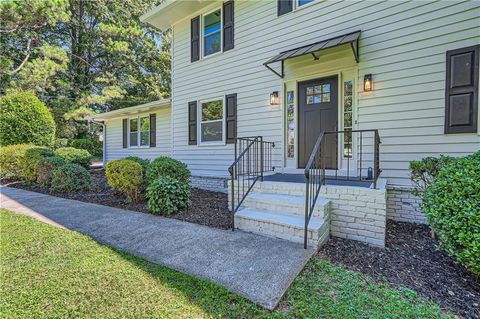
[(70, 178), (93, 146), (166, 166), (143, 162), (19, 161), (452, 207), (25, 120), (423, 172), (126, 177), (45, 168), (74, 156), (167, 195)]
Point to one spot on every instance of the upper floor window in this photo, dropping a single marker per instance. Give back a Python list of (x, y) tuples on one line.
[(212, 32), (303, 2), (285, 6)]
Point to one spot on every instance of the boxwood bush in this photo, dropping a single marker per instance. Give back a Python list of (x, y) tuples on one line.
[(167, 166), (452, 207), (167, 195), (93, 146), (19, 161), (74, 155), (70, 178), (423, 172), (25, 120), (143, 162), (126, 177), (45, 168)]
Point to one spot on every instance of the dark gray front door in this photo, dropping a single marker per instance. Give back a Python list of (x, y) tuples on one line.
[(318, 111)]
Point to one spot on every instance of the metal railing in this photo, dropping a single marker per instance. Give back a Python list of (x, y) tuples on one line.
[(253, 157), (325, 158)]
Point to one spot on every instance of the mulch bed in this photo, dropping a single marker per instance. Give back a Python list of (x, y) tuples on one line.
[(411, 259), (208, 208)]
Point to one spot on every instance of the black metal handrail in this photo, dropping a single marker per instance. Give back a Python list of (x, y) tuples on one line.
[(253, 157), (315, 170)]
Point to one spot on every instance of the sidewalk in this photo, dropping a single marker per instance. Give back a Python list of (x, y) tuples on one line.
[(256, 267)]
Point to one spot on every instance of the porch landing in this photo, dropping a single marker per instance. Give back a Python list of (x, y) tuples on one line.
[(330, 180)]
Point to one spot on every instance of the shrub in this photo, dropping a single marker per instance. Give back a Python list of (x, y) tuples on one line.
[(424, 171), (19, 161), (166, 166), (126, 177), (143, 162), (25, 120), (93, 146), (167, 195), (32, 156), (60, 142), (74, 156), (45, 168), (452, 206), (70, 178)]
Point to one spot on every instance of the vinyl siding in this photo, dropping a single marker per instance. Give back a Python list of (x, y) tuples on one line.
[(114, 144), (403, 45)]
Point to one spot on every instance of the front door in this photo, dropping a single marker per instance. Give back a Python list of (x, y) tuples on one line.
[(318, 111)]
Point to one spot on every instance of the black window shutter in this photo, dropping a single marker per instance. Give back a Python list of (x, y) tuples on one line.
[(192, 123), (231, 117), (125, 132), (195, 39), (461, 91), (153, 130), (228, 25), (284, 6)]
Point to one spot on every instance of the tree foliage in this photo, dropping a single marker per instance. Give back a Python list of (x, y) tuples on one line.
[(83, 56)]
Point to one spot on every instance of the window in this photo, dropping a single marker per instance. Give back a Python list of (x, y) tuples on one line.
[(139, 131), (290, 125), (212, 32), (211, 121), (318, 94), (304, 2), (347, 118)]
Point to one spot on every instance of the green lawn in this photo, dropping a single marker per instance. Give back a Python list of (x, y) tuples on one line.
[(51, 272)]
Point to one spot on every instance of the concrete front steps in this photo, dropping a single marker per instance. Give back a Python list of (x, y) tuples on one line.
[(273, 209)]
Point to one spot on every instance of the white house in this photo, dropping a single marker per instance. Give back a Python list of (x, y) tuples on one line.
[(390, 82)]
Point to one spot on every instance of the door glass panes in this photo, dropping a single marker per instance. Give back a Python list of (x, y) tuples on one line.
[(212, 33), (318, 94), (347, 118), (290, 125), (133, 132), (144, 131), (212, 121)]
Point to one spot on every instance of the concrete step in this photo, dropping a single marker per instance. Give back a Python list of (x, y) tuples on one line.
[(295, 189), (285, 204), (284, 226)]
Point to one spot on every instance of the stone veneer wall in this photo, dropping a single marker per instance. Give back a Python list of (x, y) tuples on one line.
[(216, 184), (403, 206), (358, 213)]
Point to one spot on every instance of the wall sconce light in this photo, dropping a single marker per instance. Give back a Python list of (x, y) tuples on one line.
[(274, 99), (367, 83)]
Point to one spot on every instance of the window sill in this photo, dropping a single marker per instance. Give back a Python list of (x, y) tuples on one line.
[(204, 144), (138, 147)]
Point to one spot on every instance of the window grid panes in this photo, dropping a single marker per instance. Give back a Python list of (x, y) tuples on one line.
[(133, 132), (144, 131), (212, 33), (318, 93), (290, 125), (347, 118), (211, 126)]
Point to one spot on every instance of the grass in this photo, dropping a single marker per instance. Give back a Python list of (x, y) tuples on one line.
[(51, 272)]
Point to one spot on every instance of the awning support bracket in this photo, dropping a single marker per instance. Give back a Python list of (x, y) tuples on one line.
[(281, 75), (315, 57), (355, 50)]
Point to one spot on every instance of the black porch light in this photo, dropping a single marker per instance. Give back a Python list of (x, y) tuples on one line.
[(367, 83), (274, 99)]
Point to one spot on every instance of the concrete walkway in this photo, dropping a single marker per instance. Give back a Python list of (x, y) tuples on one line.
[(256, 267)]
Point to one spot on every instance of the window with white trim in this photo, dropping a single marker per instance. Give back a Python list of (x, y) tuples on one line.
[(347, 118), (212, 32), (211, 121), (139, 131), (303, 2)]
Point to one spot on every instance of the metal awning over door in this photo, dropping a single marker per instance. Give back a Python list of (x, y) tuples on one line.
[(349, 38)]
